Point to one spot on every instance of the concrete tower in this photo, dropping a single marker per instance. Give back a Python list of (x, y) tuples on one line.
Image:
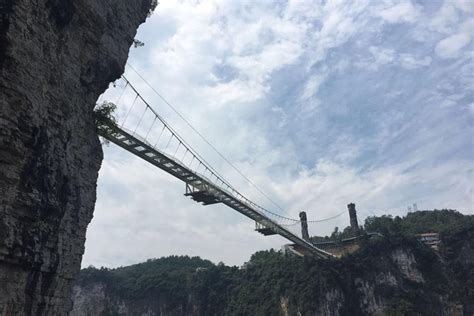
[(304, 226), (353, 218)]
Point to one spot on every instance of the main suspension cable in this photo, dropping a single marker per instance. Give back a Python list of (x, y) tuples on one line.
[(205, 139)]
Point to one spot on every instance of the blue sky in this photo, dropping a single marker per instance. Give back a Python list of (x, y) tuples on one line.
[(320, 103)]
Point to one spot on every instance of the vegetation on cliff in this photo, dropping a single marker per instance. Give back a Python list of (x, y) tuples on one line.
[(397, 275), (441, 221), (104, 115)]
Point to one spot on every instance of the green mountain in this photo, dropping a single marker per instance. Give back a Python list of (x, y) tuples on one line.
[(393, 275)]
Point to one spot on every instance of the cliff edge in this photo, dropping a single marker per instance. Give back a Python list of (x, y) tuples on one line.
[(56, 58)]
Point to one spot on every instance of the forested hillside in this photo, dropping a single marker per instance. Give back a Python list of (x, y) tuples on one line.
[(394, 275)]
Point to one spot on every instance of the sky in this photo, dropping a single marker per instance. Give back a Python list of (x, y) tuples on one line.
[(319, 103)]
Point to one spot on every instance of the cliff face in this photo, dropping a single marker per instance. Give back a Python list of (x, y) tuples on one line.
[(385, 277), (56, 58), (363, 293)]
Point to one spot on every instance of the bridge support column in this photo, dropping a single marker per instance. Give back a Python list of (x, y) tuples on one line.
[(304, 226), (353, 218)]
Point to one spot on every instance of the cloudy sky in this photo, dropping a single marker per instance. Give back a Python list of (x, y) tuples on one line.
[(320, 103)]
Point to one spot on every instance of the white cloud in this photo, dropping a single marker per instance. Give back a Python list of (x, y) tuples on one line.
[(467, 26), (328, 187), (471, 108), (450, 47), (312, 86), (252, 42), (445, 19), (338, 25), (376, 57), (381, 55), (409, 62), (402, 12), (464, 5), (453, 15)]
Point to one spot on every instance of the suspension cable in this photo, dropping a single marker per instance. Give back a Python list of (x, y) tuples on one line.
[(199, 157), (327, 219), (205, 140)]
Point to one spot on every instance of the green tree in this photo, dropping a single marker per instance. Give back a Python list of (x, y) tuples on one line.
[(104, 117)]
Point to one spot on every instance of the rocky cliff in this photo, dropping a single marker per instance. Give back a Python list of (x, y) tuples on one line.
[(389, 276), (56, 58)]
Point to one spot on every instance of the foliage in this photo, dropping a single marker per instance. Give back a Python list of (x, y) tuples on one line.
[(413, 223), (153, 5), (138, 43), (104, 117), (458, 249), (166, 275), (399, 307), (418, 222), (91, 274), (269, 278)]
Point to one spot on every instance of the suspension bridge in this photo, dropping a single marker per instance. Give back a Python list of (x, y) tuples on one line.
[(146, 134)]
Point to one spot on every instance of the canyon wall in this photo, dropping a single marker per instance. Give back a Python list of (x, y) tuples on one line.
[(56, 58), (385, 277)]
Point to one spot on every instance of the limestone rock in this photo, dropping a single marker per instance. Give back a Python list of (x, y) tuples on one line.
[(56, 58), (406, 262)]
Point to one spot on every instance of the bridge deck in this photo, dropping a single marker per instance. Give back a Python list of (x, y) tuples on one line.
[(202, 189)]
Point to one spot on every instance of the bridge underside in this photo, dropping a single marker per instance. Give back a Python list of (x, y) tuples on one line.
[(266, 231), (203, 197)]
